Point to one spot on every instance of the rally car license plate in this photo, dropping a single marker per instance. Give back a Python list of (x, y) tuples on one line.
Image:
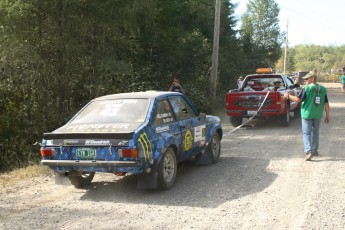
[(86, 153)]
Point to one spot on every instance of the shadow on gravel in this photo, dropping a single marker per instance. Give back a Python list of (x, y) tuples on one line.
[(197, 186)]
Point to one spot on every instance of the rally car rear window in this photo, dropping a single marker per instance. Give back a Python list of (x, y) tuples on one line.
[(113, 111)]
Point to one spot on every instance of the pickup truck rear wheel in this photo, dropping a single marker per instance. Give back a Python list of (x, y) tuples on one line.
[(236, 121), (297, 113), (285, 119)]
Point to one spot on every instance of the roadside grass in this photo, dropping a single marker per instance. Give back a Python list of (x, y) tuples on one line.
[(16, 175)]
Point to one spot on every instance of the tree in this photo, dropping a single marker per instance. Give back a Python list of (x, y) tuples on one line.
[(290, 61), (260, 33), (57, 55)]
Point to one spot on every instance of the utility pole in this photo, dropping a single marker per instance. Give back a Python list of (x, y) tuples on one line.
[(286, 44), (214, 68)]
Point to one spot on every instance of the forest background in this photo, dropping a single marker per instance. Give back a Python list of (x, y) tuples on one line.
[(56, 55)]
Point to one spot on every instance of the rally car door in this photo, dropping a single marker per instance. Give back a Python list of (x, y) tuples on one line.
[(190, 127)]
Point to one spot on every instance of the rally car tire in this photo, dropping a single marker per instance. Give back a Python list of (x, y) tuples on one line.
[(213, 149), (83, 180), (167, 170), (236, 121)]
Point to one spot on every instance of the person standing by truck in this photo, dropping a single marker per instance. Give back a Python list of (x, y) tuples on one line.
[(314, 101), (239, 82)]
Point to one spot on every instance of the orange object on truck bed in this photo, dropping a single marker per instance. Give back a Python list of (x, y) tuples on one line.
[(264, 91)]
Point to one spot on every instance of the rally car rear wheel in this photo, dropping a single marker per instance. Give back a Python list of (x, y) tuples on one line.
[(167, 170), (81, 180)]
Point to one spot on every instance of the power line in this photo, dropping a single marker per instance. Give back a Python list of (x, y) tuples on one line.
[(310, 19)]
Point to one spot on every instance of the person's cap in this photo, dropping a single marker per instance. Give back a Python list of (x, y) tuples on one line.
[(309, 75), (241, 77)]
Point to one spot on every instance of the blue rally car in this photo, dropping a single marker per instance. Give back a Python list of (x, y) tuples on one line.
[(142, 133)]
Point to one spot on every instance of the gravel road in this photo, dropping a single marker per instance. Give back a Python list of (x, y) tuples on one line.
[(260, 182)]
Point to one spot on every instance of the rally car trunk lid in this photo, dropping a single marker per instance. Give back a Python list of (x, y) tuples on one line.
[(91, 135), (87, 139)]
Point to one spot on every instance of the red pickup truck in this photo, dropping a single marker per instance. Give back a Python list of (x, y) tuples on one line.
[(262, 95)]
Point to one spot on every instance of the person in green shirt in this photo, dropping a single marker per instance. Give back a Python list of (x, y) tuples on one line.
[(314, 101), (342, 82)]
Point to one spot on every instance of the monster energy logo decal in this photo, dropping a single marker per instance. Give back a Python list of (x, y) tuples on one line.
[(146, 146)]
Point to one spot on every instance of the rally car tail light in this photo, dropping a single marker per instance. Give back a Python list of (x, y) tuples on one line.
[(128, 153), (47, 152)]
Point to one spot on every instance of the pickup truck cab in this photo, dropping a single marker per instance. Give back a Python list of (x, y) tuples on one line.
[(262, 96)]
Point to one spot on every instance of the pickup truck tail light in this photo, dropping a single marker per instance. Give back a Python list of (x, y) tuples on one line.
[(128, 153)]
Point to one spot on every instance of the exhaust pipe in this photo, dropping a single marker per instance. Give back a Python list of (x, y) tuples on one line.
[(73, 173)]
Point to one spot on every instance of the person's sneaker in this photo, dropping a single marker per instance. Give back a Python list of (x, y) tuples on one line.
[(308, 156), (315, 154)]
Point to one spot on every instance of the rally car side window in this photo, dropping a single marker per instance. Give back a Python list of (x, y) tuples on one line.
[(164, 114), (181, 108)]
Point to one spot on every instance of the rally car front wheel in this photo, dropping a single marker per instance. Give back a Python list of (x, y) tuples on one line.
[(167, 170)]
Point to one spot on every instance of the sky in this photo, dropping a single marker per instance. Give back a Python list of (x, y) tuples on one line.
[(309, 21)]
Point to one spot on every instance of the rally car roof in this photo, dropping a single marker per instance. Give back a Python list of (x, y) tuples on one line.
[(146, 94)]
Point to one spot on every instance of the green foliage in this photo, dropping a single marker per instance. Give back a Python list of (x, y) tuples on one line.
[(57, 55), (326, 59), (261, 34)]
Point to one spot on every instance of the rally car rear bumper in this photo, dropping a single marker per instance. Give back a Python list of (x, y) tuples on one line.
[(91, 163)]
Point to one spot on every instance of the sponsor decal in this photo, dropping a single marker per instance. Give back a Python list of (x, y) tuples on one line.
[(167, 120), (70, 142), (162, 129), (163, 115), (188, 141), (97, 142), (50, 142), (146, 146), (122, 143), (109, 112), (167, 106), (95, 127), (124, 101), (199, 133)]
